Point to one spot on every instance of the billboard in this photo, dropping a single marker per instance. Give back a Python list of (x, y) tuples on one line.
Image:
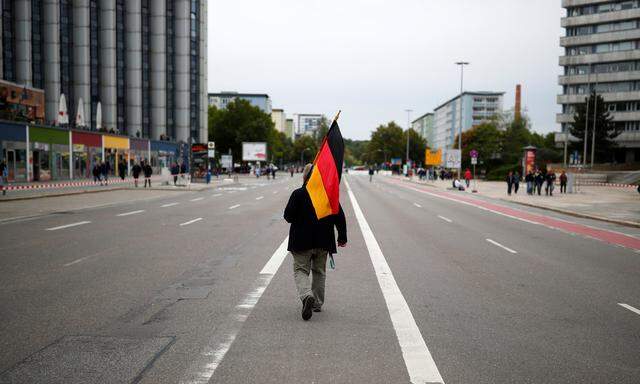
[(452, 158), (226, 161), (433, 158), (254, 151), (396, 161)]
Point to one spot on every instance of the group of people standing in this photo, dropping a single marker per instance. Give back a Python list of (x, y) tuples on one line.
[(102, 170), (535, 180)]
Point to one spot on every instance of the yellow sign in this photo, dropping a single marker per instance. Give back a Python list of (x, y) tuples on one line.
[(115, 142), (433, 158)]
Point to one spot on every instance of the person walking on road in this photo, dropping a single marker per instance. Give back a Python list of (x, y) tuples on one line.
[(148, 171), (371, 172), (96, 173), (310, 241), (563, 182), (4, 174), (136, 173), (467, 177), (551, 179), (509, 183), (105, 168), (516, 182)]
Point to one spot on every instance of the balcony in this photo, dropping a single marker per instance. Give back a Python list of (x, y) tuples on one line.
[(617, 116), (600, 17), (599, 77), (600, 57), (597, 38), (608, 97)]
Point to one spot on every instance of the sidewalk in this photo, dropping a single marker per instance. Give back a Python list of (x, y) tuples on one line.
[(611, 204)]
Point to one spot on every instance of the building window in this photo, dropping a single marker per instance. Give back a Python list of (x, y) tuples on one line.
[(94, 51), (37, 53), (66, 54), (8, 41), (194, 43), (120, 68), (146, 94), (171, 130)]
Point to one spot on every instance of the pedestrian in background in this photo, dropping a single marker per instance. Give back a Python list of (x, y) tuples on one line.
[(136, 173), (509, 181), (104, 172), (96, 173), (539, 179), (371, 174), (175, 171), (467, 177), (563, 182), (516, 182), (148, 171), (529, 179), (551, 179), (310, 241), (4, 175), (273, 172), (122, 169)]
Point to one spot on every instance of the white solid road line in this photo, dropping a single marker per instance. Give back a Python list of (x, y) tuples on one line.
[(501, 246), (234, 206), (68, 225), (259, 197), (632, 309), (76, 261), (274, 192), (417, 205), (209, 359), (420, 364), (445, 219), (197, 199), (130, 213), (191, 221), (216, 195), (169, 205)]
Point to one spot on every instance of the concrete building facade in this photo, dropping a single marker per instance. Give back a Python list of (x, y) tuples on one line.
[(279, 119), (308, 123), (424, 125), (260, 100), (477, 107), (602, 53), (142, 60)]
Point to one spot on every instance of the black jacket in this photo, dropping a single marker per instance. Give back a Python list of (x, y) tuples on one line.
[(148, 171), (307, 232)]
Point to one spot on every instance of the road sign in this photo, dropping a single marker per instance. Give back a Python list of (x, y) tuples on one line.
[(473, 153), (211, 145), (452, 158), (474, 160), (211, 153), (254, 151)]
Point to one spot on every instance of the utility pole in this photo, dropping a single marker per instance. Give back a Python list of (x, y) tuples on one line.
[(586, 120), (408, 127), (595, 119), (461, 64)]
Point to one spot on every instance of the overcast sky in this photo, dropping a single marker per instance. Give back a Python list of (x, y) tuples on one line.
[(373, 59)]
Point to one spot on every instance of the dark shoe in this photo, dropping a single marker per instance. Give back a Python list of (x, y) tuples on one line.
[(307, 307), (317, 309)]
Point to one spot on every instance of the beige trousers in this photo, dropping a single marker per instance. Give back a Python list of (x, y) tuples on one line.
[(314, 261)]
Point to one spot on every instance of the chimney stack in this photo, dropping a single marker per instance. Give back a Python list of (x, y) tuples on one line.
[(518, 107)]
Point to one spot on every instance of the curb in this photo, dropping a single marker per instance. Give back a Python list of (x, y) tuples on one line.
[(575, 214), (60, 194), (557, 210)]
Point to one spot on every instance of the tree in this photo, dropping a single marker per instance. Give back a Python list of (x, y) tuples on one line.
[(387, 141), (354, 150), (606, 129), (322, 130), (239, 122), (487, 140), (515, 138), (417, 146), (280, 148), (306, 148)]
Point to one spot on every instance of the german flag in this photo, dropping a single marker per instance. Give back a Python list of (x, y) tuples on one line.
[(324, 183)]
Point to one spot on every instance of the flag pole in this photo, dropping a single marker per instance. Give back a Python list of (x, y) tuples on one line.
[(337, 116)]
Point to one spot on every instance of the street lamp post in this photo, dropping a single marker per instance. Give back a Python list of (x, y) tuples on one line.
[(302, 155), (408, 127), (461, 64)]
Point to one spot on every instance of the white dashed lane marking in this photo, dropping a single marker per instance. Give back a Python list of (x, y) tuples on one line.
[(191, 221), (259, 197), (169, 205), (68, 225), (501, 246), (234, 206), (445, 219), (417, 205), (632, 309), (197, 199), (130, 213)]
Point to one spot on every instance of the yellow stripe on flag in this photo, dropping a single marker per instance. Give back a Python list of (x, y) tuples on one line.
[(318, 195)]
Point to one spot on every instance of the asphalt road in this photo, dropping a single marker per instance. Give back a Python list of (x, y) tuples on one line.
[(197, 288)]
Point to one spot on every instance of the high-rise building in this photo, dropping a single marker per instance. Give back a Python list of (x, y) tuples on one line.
[(142, 60), (260, 100), (477, 107), (308, 123), (601, 43), (279, 119), (425, 127), (290, 129)]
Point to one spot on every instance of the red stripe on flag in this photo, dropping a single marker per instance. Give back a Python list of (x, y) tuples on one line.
[(327, 167)]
